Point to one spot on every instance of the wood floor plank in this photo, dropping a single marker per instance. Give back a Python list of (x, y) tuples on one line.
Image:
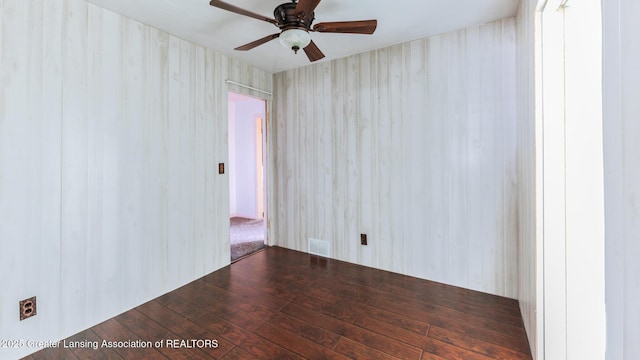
[(284, 304), (467, 342), (193, 305), (146, 328), (291, 341), (113, 332), (391, 331), (183, 328), (91, 352), (493, 331), (249, 292), (355, 333), (57, 353), (453, 291), (452, 352), (270, 287), (356, 350), (358, 309), (442, 348), (238, 354), (429, 356), (240, 304), (453, 309), (307, 330), (339, 311), (464, 303), (245, 339), (356, 293), (205, 300)]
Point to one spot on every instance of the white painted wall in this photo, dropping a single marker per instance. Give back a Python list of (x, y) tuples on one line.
[(243, 142), (110, 135), (529, 203), (414, 145), (622, 176)]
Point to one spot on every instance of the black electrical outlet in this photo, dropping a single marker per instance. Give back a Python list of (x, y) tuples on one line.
[(363, 239)]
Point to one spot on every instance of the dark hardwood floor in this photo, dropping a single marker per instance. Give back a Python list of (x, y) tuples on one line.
[(283, 304)]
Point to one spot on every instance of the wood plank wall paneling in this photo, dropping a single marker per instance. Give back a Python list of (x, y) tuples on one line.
[(110, 135), (414, 145), (622, 180), (528, 256)]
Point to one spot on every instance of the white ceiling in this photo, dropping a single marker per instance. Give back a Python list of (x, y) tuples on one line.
[(398, 21)]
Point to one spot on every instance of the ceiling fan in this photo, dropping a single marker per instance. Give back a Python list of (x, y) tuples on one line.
[(294, 20)]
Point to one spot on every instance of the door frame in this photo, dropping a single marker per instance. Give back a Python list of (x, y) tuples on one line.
[(571, 190), (268, 162)]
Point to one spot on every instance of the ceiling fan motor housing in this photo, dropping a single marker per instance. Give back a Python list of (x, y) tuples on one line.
[(287, 18)]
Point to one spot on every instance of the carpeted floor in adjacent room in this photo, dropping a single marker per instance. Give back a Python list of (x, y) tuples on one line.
[(247, 236)]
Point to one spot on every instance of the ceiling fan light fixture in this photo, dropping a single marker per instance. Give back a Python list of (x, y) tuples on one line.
[(295, 39)]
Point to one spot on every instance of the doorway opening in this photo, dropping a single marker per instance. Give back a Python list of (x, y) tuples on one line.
[(247, 180)]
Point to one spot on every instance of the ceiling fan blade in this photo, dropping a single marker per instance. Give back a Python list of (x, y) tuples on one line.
[(237, 10), (306, 7), (313, 53), (257, 43), (350, 27)]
